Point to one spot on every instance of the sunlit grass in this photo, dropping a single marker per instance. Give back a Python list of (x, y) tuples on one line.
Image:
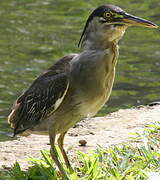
[(137, 159)]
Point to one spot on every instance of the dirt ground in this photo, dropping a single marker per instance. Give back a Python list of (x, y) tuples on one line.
[(111, 129)]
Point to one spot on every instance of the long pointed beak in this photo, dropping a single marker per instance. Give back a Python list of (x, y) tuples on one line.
[(131, 20)]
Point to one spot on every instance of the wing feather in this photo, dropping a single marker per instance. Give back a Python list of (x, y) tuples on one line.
[(43, 97)]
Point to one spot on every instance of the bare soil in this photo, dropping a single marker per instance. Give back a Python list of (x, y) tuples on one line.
[(111, 129)]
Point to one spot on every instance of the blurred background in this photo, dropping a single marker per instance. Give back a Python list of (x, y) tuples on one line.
[(35, 33)]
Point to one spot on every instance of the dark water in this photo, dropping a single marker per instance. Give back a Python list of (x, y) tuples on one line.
[(34, 33)]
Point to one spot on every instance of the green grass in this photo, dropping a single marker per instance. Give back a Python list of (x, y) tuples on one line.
[(135, 160)]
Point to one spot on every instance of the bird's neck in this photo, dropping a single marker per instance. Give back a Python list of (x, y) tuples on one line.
[(108, 49), (92, 42), (97, 38)]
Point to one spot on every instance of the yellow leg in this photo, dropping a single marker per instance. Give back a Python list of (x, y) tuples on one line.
[(54, 156), (60, 145)]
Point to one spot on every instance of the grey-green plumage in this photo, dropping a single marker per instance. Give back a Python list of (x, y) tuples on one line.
[(78, 85), (35, 104)]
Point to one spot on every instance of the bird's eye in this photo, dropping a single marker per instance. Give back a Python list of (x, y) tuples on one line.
[(107, 15)]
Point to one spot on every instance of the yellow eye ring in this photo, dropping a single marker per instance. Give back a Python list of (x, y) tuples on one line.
[(107, 14)]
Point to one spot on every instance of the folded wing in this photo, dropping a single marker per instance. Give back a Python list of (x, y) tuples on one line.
[(42, 98)]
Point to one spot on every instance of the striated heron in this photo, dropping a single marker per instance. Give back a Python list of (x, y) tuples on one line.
[(77, 85)]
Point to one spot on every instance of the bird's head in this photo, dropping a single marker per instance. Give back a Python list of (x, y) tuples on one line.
[(109, 22)]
